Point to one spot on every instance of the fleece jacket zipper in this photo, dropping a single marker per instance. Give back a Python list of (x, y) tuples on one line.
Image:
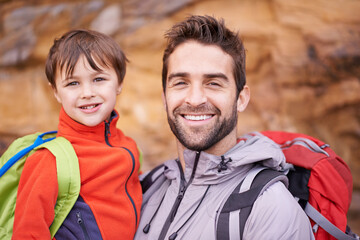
[(107, 135), (82, 225), (179, 198)]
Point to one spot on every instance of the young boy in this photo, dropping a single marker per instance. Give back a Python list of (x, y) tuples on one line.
[(86, 70)]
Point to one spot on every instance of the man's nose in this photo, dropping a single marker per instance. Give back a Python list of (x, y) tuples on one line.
[(196, 95)]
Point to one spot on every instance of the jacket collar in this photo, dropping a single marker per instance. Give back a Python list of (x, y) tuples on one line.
[(239, 159), (68, 127)]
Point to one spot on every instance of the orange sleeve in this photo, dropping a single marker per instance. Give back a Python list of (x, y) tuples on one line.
[(36, 198)]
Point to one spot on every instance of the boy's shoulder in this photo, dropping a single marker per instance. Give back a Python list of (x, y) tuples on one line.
[(41, 158)]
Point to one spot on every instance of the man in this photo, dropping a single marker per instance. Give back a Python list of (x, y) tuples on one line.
[(204, 88)]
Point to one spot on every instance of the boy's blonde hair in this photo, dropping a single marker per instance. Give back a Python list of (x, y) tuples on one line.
[(95, 46)]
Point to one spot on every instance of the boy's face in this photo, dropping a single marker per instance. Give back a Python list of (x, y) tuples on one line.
[(88, 96)]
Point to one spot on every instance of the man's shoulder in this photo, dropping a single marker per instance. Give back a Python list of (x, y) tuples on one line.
[(276, 195), (152, 180), (277, 213), (277, 202)]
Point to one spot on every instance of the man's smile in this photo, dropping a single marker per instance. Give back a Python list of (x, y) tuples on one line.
[(197, 117)]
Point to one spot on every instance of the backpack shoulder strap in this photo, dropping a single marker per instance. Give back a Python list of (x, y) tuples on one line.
[(151, 181), (237, 208), (26, 144), (68, 173), (327, 225)]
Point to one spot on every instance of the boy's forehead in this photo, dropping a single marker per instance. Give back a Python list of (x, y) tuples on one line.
[(69, 68)]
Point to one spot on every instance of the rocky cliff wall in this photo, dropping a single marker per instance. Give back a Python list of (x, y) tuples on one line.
[(303, 67)]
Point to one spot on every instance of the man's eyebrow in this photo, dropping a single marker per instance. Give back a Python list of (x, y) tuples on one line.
[(216, 75), (207, 75), (178, 74)]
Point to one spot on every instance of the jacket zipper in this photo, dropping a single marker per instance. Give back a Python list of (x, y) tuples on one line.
[(179, 198), (126, 183), (107, 135), (82, 225)]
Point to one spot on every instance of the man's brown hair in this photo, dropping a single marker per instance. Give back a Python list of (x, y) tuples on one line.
[(95, 46), (209, 31)]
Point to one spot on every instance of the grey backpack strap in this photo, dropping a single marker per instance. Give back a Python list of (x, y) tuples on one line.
[(326, 224), (237, 208), (151, 181)]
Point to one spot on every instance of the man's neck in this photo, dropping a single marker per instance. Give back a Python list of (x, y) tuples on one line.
[(220, 148)]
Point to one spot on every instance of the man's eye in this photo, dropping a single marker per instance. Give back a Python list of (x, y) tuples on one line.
[(179, 83), (213, 84)]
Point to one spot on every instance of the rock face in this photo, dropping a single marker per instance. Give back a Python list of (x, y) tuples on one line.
[(303, 67)]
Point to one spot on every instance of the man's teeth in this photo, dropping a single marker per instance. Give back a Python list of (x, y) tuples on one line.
[(89, 107), (197, 117)]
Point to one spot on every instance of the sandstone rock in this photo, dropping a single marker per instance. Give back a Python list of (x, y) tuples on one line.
[(303, 61)]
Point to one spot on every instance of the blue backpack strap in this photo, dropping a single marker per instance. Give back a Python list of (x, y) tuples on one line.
[(237, 208), (38, 141)]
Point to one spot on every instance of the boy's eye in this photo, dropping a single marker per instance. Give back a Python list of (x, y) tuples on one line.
[(99, 79), (73, 83)]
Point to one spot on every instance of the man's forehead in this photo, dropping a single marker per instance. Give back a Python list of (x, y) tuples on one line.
[(195, 58)]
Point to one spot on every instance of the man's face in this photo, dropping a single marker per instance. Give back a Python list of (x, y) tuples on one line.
[(201, 99)]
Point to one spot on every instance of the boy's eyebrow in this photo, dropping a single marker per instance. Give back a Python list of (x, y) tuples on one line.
[(96, 72), (67, 78)]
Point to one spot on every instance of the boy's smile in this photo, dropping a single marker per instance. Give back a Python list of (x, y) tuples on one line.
[(90, 108), (88, 96)]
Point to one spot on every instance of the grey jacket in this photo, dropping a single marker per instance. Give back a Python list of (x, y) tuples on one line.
[(188, 202)]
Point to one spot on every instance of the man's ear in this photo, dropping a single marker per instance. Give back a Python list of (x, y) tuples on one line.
[(163, 99), (55, 93), (243, 99)]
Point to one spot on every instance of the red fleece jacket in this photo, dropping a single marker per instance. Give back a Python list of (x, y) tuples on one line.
[(104, 172)]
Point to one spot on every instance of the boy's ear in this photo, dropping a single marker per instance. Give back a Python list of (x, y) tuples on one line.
[(118, 90), (55, 93), (243, 99)]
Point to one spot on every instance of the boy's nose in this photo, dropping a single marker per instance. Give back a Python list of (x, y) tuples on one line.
[(87, 91), (196, 96)]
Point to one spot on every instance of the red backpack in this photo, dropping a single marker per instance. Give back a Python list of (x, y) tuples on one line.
[(329, 181), (319, 179)]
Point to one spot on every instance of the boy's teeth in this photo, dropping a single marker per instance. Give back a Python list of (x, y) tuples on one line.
[(88, 107), (197, 117)]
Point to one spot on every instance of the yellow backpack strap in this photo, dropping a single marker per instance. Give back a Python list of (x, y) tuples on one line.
[(68, 174)]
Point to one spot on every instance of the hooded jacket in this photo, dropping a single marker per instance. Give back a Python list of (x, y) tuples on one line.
[(187, 202), (110, 194)]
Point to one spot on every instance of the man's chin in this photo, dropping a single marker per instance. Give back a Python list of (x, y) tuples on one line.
[(196, 146)]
